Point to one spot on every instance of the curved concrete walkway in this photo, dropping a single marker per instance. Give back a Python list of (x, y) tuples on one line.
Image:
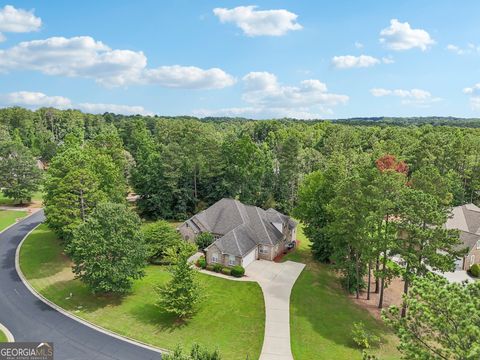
[(276, 281)]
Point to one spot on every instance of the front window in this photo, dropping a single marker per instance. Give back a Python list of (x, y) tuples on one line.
[(215, 257), (472, 260), (263, 249), (478, 244), (231, 260)]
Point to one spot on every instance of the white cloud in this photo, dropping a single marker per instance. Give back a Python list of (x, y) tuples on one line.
[(400, 36), (112, 108), (469, 49), (83, 56), (350, 61), (265, 97), (358, 45), (35, 100), (413, 96), (188, 76), (474, 93), (259, 22), (388, 60), (17, 21)]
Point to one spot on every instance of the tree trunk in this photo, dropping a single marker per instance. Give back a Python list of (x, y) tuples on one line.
[(357, 275), (382, 281), (405, 291), (377, 280), (369, 278)]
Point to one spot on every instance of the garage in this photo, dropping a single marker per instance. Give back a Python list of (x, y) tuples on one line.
[(250, 257)]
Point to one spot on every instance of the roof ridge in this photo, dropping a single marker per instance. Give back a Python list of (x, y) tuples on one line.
[(264, 227), (236, 241), (239, 210)]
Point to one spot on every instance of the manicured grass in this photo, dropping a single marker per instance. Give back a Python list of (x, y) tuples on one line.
[(37, 197), (322, 315), (231, 316), (3, 337), (9, 217)]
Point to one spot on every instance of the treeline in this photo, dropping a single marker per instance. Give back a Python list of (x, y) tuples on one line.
[(181, 165)]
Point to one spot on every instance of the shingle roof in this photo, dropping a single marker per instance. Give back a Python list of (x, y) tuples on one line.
[(465, 218), (243, 226), (469, 240)]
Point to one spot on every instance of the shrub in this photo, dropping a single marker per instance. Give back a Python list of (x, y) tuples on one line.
[(202, 263), (362, 337), (475, 270), (217, 267), (209, 267), (238, 271), (204, 240), (227, 271)]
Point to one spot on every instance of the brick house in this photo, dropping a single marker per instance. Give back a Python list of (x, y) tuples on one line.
[(243, 233)]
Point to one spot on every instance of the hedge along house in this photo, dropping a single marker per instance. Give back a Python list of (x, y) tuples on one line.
[(243, 233), (466, 219)]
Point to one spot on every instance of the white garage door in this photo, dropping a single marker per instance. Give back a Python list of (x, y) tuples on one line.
[(250, 257)]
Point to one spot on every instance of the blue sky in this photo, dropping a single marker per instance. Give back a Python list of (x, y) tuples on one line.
[(306, 59)]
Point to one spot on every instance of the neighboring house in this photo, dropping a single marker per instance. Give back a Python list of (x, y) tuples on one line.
[(466, 219), (243, 233)]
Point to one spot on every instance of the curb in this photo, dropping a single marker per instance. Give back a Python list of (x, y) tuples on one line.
[(7, 333), (17, 222), (71, 316)]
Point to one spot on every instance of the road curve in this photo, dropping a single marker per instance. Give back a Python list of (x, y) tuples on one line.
[(30, 319)]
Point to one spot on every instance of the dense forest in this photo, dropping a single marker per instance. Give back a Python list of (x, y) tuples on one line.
[(181, 165)]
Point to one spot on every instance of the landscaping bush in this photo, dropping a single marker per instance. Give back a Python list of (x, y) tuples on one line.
[(217, 267), (475, 270), (227, 271), (362, 337), (209, 267), (238, 271), (202, 263)]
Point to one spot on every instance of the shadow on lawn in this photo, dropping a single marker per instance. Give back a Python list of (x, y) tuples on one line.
[(73, 296), (154, 315), (318, 298)]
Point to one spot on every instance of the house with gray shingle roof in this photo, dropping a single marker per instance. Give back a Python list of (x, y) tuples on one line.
[(466, 219), (243, 233)]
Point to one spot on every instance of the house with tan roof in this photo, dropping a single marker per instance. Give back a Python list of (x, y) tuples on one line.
[(243, 233), (466, 219)]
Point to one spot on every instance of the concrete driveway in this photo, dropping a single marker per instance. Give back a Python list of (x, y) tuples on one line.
[(276, 281)]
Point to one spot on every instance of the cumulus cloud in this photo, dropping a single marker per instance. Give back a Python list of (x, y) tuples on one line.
[(474, 93), (84, 56), (188, 76), (265, 97), (413, 96), (259, 22), (14, 20), (350, 61), (400, 36), (35, 100)]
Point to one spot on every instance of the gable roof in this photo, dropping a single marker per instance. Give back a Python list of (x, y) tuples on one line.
[(242, 227), (465, 218)]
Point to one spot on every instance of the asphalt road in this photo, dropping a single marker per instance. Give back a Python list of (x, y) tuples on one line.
[(30, 319)]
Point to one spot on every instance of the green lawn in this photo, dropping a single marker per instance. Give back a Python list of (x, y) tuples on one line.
[(231, 316), (37, 197), (3, 337), (322, 315), (9, 217)]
